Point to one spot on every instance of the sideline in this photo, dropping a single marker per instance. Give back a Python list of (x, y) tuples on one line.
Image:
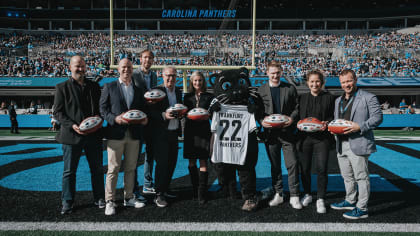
[(211, 226)]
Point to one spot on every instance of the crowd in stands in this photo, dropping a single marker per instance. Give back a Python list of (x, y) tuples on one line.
[(370, 55)]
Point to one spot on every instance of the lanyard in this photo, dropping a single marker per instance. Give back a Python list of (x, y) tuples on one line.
[(342, 111)]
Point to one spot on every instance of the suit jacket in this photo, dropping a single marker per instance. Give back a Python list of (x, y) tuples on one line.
[(288, 106), (366, 112), (67, 110), (140, 82), (157, 122), (112, 104)]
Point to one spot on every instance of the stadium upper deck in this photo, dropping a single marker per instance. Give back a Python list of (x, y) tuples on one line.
[(288, 15)]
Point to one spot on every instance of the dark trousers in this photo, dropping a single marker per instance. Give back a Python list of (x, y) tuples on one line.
[(319, 150), (246, 172), (71, 156), (273, 147), (14, 126), (166, 156)]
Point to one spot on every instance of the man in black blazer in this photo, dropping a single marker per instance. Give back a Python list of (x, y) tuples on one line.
[(281, 98), (122, 138), (146, 79), (166, 129), (76, 99)]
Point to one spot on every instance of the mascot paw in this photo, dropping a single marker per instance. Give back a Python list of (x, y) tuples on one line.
[(214, 106), (251, 105)]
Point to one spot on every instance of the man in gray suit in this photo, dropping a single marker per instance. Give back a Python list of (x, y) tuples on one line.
[(281, 98), (356, 144), (146, 79)]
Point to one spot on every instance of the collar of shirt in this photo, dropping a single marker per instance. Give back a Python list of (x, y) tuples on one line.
[(128, 92), (171, 96), (273, 85), (122, 83), (77, 83), (343, 97)]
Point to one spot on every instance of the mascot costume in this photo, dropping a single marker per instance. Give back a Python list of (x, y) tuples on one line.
[(235, 109)]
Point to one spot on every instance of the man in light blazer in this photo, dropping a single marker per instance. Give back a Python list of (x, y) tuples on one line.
[(281, 98), (146, 79), (356, 144), (166, 129), (122, 138)]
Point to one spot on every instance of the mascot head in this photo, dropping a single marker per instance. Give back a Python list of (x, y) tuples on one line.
[(232, 86)]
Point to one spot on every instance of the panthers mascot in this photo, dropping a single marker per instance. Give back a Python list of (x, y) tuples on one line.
[(235, 109)]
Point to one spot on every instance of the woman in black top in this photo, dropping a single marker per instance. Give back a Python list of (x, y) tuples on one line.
[(197, 135), (319, 104)]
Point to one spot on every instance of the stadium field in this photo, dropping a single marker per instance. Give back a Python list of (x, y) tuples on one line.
[(30, 185)]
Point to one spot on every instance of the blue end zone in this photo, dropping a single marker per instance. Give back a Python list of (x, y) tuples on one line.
[(48, 177), (404, 166), (44, 121)]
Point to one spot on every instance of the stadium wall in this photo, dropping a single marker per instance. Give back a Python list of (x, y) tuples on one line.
[(44, 121)]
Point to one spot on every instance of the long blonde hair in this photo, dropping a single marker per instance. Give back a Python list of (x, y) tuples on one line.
[(191, 88)]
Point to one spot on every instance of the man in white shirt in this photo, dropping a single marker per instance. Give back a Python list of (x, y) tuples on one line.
[(166, 129), (122, 138)]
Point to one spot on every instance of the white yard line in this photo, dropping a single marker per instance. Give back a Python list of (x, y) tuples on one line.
[(210, 226)]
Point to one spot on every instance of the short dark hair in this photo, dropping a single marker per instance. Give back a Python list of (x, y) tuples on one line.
[(191, 88), (318, 73), (274, 63), (147, 51), (347, 71)]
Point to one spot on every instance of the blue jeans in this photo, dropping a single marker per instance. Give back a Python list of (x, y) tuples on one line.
[(148, 168), (71, 156)]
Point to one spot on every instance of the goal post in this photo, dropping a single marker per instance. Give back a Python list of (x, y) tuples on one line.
[(184, 68)]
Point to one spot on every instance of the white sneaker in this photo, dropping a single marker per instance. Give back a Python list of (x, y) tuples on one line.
[(133, 202), (277, 200), (320, 206), (110, 208), (306, 200), (295, 203)]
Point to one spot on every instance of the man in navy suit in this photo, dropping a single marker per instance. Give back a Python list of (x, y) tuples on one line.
[(76, 99), (354, 147), (166, 129), (146, 79), (118, 97)]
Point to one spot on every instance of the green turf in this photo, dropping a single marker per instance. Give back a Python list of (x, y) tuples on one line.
[(396, 133), (65, 233)]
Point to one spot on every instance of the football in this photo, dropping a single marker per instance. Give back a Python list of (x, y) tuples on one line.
[(90, 124), (154, 95), (310, 124), (276, 120), (198, 114), (134, 116), (338, 126), (179, 109)]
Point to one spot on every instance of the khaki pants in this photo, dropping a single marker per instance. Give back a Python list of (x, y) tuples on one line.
[(355, 172), (116, 148)]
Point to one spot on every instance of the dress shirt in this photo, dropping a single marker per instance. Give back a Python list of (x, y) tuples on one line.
[(173, 124), (128, 92)]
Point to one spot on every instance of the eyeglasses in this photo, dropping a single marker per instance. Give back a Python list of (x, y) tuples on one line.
[(170, 75)]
